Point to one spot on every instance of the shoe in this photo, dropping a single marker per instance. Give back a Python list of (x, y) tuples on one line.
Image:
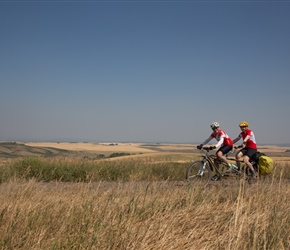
[(235, 167), (216, 177), (232, 167)]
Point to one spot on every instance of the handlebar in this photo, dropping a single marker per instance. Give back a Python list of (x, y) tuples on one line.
[(207, 149)]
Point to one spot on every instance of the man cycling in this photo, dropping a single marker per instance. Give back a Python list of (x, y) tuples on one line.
[(224, 142)]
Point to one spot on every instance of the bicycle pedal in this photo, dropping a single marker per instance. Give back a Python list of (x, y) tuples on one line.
[(229, 170)]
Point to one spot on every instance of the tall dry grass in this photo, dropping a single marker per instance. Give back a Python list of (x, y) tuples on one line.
[(145, 215), (86, 170)]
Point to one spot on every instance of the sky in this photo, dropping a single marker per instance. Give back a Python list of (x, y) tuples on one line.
[(143, 71)]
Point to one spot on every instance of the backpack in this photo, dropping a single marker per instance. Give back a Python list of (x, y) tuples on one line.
[(266, 165), (256, 156)]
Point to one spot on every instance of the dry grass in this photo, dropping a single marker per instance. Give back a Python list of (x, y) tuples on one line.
[(96, 147), (147, 215), (144, 215)]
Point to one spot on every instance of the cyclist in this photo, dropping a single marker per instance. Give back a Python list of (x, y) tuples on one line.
[(249, 146), (224, 142)]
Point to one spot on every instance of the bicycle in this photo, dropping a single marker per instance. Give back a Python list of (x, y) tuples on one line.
[(201, 171), (244, 169)]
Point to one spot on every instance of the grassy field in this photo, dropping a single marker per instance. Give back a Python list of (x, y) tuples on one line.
[(68, 199)]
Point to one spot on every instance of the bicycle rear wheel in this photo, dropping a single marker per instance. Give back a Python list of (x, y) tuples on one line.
[(198, 172)]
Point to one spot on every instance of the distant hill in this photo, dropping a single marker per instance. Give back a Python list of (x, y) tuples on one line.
[(13, 149), (283, 145)]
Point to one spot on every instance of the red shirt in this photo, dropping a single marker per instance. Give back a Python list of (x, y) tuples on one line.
[(227, 140), (251, 142)]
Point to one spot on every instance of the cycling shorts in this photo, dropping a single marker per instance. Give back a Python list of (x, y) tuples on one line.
[(248, 151), (225, 149)]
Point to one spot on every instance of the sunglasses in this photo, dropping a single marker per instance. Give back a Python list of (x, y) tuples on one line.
[(242, 126)]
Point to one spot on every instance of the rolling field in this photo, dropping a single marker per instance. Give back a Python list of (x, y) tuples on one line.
[(181, 152), (81, 149), (144, 148), (60, 196)]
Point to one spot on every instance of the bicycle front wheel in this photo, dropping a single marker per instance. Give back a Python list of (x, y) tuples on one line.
[(198, 172)]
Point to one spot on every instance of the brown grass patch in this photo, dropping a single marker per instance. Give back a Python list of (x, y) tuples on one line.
[(95, 147), (144, 215)]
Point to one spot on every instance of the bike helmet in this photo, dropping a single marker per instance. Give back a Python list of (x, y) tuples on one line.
[(244, 124), (214, 125)]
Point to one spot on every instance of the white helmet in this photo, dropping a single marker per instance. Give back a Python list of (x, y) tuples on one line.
[(214, 125)]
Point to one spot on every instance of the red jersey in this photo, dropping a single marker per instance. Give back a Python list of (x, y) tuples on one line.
[(221, 134), (251, 142)]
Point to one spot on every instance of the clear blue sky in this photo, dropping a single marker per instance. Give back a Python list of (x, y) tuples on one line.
[(147, 71)]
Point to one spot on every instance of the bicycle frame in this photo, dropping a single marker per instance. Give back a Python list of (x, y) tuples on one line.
[(201, 170), (210, 159)]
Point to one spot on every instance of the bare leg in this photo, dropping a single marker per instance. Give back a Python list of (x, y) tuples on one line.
[(248, 163), (238, 159), (220, 155)]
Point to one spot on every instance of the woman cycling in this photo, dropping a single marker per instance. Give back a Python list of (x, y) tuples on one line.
[(249, 146)]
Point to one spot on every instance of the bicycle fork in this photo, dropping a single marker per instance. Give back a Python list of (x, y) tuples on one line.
[(201, 168)]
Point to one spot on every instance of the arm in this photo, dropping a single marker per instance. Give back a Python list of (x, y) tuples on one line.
[(246, 139), (220, 142), (235, 140), (207, 140)]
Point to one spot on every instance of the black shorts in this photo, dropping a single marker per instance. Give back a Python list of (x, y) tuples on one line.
[(248, 151), (225, 149)]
